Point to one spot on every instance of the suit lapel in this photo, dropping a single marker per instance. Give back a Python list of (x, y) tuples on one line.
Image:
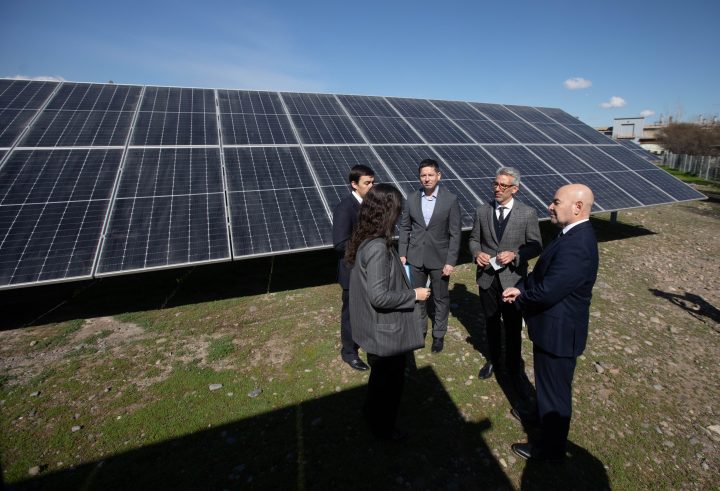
[(489, 217)]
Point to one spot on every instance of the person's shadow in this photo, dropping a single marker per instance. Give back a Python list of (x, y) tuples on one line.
[(694, 304), (467, 309), (580, 470)]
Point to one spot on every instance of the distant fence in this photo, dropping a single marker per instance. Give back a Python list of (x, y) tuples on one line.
[(702, 166)]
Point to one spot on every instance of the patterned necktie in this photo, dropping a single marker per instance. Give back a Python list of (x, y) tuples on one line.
[(502, 214)]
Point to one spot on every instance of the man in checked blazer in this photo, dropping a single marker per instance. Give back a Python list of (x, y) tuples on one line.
[(504, 237), (430, 243)]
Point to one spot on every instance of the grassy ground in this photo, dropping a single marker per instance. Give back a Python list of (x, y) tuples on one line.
[(108, 384)]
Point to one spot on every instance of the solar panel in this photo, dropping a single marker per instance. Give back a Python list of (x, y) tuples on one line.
[(103, 179)]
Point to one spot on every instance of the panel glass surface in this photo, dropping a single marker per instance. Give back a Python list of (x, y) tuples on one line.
[(174, 116), (170, 171), (415, 108), (589, 134), (559, 133), (468, 161), (560, 116), (520, 158), (529, 114), (495, 112), (403, 161), (49, 241), (278, 220), (380, 130), (254, 118), (671, 185), (40, 176), (251, 169), (523, 132), (367, 106), (639, 188), (597, 159), (559, 159), (85, 115), (459, 110), (438, 130), (19, 100), (629, 158), (607, 194), (484, 131), (543, 187), (326, 129), (165, 231), (332, 164)]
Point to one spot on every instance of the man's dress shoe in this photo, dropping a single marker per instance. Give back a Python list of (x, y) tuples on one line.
[(486, 371), (358, 364), (529, 452), (438, 345)]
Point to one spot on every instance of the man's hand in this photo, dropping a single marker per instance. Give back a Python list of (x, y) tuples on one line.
[(505, 257), (447, 270), (403, 259), (422, 294), (510, 294), (482, 259)]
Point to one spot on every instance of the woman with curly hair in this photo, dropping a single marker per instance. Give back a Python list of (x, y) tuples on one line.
[(385, 322)]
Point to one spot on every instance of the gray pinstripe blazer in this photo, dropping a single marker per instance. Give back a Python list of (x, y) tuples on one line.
[(522, 236), (383, 312)]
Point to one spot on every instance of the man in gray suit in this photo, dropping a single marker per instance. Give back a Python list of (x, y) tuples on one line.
[(504, 237), (430, 243)]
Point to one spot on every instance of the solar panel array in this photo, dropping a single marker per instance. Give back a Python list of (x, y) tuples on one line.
[(103, 179)]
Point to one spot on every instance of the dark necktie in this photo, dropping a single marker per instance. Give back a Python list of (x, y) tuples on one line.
[(502, 214)]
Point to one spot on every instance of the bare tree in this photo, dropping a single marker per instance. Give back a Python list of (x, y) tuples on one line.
[(692, 139)]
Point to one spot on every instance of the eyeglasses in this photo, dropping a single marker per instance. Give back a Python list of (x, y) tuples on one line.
[(503, 187)]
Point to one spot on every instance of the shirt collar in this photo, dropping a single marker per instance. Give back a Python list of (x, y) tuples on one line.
[(357, 197), (433, 195), (567, 228), (508, 206)]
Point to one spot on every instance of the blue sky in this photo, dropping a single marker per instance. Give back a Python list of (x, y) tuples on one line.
[(660, 57)]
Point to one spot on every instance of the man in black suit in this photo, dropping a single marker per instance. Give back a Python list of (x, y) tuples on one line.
[(345, 216), (504, 237), (430, 243), (555, 300)]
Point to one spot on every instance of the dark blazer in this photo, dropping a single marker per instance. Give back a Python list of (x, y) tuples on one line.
[(382, 302), (437, 244), (555, 297), (345, 216), (521, 235)]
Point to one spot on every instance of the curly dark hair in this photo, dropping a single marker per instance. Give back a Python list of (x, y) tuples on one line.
[(379, 212)]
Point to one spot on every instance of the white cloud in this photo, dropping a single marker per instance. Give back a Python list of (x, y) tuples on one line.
[(614, 101), (576, 83), (38, 79), (647, 113)]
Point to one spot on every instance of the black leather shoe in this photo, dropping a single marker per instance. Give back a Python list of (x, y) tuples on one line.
[(438, 345), (486, 371), (358, 364), (528, 452)]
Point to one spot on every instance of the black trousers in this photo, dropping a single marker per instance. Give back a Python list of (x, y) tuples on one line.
[(385, 387), (503, 326), (349, 349), (440, 294), (553, 380)]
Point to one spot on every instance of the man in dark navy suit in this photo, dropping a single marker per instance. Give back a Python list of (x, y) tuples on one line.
[(555, 301), (345, 216)]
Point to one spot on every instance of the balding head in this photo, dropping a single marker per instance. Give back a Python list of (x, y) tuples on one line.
[(571, 204)]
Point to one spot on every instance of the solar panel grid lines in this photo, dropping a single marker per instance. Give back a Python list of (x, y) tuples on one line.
[(20, 104), (310, 168), (205, 175)]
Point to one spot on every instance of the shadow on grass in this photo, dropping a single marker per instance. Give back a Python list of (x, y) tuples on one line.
[(694, 304), (323, 444)]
